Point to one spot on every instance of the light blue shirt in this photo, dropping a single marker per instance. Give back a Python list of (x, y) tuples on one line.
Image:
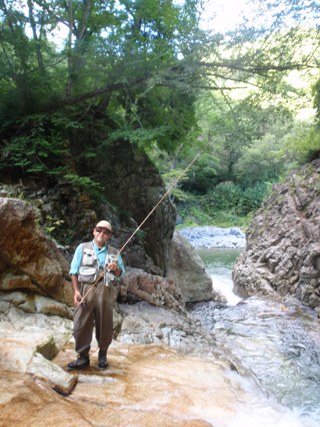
[(101, 256)]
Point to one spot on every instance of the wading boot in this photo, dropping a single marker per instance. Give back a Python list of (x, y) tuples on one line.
[(80, 363), (102, 359)]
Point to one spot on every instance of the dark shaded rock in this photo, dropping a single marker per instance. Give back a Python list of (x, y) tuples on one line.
[(133, 183)]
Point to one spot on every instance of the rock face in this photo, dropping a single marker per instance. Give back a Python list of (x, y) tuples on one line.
[(137, 285), (283, 242), (36, 297), (28, 259), (34, 280), (31, 264), (28, 343), (133, 183), (187, 269), (146, 324)]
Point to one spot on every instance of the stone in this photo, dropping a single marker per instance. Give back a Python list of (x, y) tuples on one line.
[(61, 381), (156, 290), (147, 324), (23, 334), (132, 182), (145, 385), (283, 249), (30, 260), (187, 269)]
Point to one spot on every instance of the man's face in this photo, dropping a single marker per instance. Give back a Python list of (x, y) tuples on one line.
[(101, 235)]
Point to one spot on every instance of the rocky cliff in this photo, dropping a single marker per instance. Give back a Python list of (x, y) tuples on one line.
[(36, 293), (283, 242), (36, 304)]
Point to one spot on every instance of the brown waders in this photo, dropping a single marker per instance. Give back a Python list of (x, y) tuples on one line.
[(97, 312)]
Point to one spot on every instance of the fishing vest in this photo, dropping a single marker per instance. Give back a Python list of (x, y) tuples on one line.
[(89, 269)]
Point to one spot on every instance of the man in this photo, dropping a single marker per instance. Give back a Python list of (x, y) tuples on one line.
[(93, 269)]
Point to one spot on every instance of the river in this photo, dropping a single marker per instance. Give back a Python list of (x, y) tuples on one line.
[(279, 343)]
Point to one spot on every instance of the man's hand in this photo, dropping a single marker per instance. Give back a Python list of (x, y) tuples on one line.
[(77, 297), (113, 266)]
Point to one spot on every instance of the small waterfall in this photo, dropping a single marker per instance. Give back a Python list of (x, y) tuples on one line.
[(278, 342)]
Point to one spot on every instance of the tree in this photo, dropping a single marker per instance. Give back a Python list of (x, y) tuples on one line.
[(134, 69)]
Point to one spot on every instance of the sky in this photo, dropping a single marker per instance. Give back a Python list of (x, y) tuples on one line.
[(229, 12), (223, 15)]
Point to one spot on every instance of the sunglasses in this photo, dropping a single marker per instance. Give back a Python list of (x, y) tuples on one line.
[(103, 230)]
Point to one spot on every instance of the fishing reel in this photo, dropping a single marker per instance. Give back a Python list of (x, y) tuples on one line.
[(112, 258), (109, 276)]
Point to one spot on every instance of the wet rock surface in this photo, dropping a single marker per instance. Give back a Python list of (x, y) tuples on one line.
[(145, 324), (164, 369), (36, 301), (145, 385), (279, 342)]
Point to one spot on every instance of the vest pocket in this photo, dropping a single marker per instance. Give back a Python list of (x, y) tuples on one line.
[(87, 274), (89, 257)]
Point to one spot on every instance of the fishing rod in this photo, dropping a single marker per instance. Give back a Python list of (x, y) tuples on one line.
[(155, 207), (101, 275)]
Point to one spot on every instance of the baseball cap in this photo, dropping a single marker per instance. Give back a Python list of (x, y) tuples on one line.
[(104, 224)]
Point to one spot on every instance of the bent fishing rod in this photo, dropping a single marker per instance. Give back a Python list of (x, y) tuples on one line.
[(101, 275)]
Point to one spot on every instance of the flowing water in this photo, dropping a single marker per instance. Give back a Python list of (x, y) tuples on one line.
[(279, 343)]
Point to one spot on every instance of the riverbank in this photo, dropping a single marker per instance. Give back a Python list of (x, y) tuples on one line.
[(214, 237)]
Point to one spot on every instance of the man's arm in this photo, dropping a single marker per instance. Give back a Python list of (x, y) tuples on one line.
[(74, 270), (76, 291)]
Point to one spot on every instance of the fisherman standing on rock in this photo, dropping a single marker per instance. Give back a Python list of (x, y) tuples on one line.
[(94, 268)]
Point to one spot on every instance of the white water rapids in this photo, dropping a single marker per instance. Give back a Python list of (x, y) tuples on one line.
[(279, 343)]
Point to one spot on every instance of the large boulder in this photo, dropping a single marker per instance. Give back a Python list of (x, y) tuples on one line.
[(187, 269), (29, 260), (147, 324), (283, 242), (138, 285), (134, 184), (28, 343)]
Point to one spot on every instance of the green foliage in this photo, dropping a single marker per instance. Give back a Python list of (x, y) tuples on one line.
[(180, 197), (252, 198), (316, 94), (39, 146), (143, 71), (140, 137), (171, 111), (261, 161), (227, 204), (228, 196), (85, 182), (302, 144), (51, 224), (192, 215), (223, 197), (202, 174)]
